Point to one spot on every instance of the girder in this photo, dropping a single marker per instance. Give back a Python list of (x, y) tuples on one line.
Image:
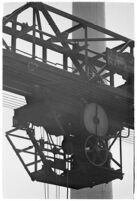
[(21, 77)]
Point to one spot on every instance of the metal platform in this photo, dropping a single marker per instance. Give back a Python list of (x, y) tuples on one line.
[(59, 168)]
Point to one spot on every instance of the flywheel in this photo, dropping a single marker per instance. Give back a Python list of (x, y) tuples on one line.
[(96, 150), (95, 119)]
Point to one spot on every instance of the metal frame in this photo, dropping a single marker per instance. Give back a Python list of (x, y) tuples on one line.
[(38, 151), (70, 48), (108, 148), (67, 49), (8, 134), (119, 164)]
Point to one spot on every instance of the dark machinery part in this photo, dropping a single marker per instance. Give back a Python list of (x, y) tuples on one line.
[(84, 157), (77, 106), (123, 63), (96, 150)]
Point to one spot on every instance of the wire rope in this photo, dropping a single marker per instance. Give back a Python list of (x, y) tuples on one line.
[(59, 141), (47, 154), (57, 186), (67, 179), (42, 138), (56, 176), (45, 194)]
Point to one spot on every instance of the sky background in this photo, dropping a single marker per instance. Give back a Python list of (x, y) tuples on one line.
[(16, 183)]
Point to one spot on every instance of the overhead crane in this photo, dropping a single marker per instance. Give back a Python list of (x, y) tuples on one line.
[(75, 104)]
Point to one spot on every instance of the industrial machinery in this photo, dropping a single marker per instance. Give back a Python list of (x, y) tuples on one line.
[(80, 111)]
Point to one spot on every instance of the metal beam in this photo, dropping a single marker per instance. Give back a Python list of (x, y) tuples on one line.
[(44, 52), (92, 39), (83, 22), (41, 6), (72, 29), (65, 45), (15, 13), (13, 38), (17, 153), (34, 34)]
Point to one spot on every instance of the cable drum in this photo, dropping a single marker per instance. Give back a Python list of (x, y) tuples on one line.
[(95, 120)]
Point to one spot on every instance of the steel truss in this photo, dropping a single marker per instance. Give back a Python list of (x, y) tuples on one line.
[(75, 49)]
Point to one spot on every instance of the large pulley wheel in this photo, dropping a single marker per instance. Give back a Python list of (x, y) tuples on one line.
[(95, 120), (96, 150)]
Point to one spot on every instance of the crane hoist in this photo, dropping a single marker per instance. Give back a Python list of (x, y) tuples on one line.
[(81, 114)]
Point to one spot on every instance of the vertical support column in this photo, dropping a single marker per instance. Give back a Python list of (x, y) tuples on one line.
[(86, 50), (95, 13), (131, 50), (33, 44), (120, 145), (35, 158), (65, 62), (44, 50), (13, 38), (111, 79), (44, 54)]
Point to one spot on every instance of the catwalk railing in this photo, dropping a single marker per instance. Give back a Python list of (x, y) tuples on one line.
[(44, 36)]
